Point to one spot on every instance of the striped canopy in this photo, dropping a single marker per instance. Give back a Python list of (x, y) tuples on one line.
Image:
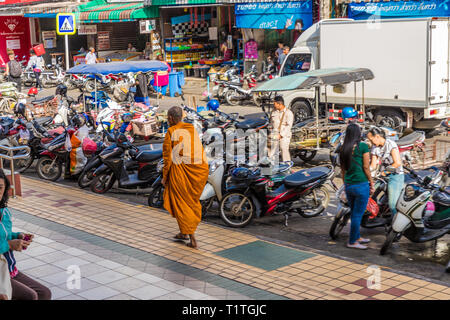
[(183, 2), (98, 11)]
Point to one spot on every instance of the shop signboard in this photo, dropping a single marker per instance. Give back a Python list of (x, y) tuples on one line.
[(399, 9), (85, 29), (103, 40), (5, 2), (274, 15), (14, 34), (49, 39)]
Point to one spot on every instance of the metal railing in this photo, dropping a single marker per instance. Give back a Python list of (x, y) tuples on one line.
[(11, 157)]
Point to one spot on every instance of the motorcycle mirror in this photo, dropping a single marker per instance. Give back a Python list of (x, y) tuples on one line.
[(241, 117), (427, 180)]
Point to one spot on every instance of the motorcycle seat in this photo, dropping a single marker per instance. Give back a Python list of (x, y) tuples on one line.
[(306, 176), (149, 156), (442, 197), (42, 100), (303, 123), (43, 121), (409, 139), (251, 123)]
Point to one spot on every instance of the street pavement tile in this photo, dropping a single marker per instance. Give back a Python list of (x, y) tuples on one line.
[(42, 240), (173, 296), (168, 285), (148, 292), (56, 278), (127, 271), (37, 251), (107, 277), (99, 293), (43, 271), (343, 291), (58, 293), (424, 292), (264, 255), (148, 278), (441, 296), (367, 292), (122, 297), (74, 251), (54, 256), (85, 284), (193, 294), (57, 246), (74, 261), (29, 263), (396, 292), (384, 296), (127, 284), (91, 269), (109, 264), (91, 258)]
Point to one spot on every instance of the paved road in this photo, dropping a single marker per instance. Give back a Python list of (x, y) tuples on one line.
[(426, 259)]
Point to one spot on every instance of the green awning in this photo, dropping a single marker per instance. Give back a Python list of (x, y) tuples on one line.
[(316, 78), (99, 11), (183, 2)]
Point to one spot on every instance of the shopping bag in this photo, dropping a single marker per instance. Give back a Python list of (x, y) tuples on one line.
[(77, 160), (89, 146), (373, 208), (5, 278), (68, 144)]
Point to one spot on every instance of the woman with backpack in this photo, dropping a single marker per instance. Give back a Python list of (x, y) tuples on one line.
[(14, 70), (36, 64)]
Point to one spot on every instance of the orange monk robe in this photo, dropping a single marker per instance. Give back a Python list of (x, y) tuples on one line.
[(186, 173)]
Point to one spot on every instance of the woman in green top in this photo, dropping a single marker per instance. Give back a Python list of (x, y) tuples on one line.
[(355, 165)]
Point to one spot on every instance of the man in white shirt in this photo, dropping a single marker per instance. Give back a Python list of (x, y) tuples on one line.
[(91, 58), (282, 120)]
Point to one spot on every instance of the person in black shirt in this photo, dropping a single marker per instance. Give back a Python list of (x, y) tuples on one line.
[(142, 89)]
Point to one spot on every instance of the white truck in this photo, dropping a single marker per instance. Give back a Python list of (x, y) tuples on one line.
[(408, 57)]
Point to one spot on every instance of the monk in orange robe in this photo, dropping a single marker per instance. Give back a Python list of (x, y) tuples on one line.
[(185, 174)]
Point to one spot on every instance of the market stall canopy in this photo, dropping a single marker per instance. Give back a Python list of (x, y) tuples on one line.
[(48, 10), (182, 2), (119, 67), (316, 78), (100, 11)]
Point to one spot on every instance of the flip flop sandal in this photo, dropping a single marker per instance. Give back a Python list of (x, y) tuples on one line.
[(180, 237)]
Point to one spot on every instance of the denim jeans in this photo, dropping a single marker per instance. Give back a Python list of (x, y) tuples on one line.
[(144, 100), (395, 187), (357, 197)]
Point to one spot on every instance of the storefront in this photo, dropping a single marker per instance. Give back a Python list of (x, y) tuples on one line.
[(15, 35), (269, 22), (109, 26), (194, 29), (398, 9)]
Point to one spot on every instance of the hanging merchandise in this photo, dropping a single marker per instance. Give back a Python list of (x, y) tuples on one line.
[(196, 17), (230, 42), (251, 51), (191, 14)]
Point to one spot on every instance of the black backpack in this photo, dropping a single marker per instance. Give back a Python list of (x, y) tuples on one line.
[(15, 70)]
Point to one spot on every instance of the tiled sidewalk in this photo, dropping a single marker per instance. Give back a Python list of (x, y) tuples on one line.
[(241, 262)]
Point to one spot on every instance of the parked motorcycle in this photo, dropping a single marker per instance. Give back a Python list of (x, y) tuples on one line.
[(247, 195), (96, 82), (114, 167), (423, 213)]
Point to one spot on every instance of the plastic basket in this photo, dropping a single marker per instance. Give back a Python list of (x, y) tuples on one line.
[(39, 49)]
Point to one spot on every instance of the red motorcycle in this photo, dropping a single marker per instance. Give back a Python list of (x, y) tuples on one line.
[(249, 193)]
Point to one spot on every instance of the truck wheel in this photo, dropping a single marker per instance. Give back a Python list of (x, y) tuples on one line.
[(391, 119), (301, 111)]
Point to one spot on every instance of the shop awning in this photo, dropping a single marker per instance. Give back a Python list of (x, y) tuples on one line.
[(274, 15), (119, 67), (99, 11), (48, 10), (316, 78), (182, 2)]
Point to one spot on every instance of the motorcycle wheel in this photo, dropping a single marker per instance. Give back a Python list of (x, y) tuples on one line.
[(206, 205), (447, 269), (46, 83), (390, 237), (339, 222), (236, 210), (102, 183), (85, 178), (220, 92), (306, 155), (232, 98), (319, 200), (156, 197), (48, 169)]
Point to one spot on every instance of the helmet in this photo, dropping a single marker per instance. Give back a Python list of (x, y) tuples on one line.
[(213, 105), (78, 121), (108, 60), (33, 91), (349, 112), (19, 109), (61, 90)]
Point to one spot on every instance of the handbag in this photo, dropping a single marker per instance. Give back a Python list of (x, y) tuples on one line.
[(5, 278), (269, 141)]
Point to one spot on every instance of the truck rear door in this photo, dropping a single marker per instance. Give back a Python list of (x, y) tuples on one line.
[(438, 65)]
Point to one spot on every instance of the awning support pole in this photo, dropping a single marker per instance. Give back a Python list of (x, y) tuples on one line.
[(317, 116), (363, 104)]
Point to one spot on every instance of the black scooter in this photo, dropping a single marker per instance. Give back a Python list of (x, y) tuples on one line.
[(114, 167)]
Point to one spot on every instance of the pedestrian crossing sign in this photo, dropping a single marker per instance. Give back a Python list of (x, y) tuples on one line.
[(65, 24)]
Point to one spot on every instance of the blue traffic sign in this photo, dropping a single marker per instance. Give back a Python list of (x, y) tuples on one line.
[(65, 24)]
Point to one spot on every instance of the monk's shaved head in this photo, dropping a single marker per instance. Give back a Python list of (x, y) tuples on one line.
[(176, 113)]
